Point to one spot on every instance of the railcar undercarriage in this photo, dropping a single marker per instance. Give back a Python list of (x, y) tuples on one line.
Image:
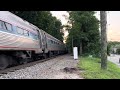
[(12, 58), (9, 58)]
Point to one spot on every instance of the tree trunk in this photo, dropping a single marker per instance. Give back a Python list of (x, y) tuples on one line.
[(80, 48), (72, 44), (103, 40)]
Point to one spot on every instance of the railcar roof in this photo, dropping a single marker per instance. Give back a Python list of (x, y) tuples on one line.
[(12, 18), (54, 38)]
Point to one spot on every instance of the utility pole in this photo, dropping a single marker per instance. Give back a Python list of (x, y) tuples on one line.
[(103, 19)]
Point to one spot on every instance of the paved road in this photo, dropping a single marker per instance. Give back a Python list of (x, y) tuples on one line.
[(114, 59)]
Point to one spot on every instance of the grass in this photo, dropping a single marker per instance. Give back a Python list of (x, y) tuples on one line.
[(92, 69)]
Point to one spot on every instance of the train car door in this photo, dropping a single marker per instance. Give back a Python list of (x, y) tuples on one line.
[(44, 42), (40, 39)]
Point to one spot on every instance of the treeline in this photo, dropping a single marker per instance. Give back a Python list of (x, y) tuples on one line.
[(114, 45), (84, 32), (43, 20)]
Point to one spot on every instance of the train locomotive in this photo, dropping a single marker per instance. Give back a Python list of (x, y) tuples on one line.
[(22, 42)]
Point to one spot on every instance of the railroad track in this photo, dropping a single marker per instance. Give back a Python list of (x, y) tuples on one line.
[(12, 69)]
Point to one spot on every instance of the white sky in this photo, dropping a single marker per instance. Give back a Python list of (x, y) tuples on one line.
[(113, 23), (59, 15)]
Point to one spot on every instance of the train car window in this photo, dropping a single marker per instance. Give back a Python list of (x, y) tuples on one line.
[(26, 33), (51, 41), (20, 31), (3, 26), (34, 36), (31, 35), (8, 26)]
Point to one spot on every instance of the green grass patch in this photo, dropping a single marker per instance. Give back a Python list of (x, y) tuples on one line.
[(92, 69)]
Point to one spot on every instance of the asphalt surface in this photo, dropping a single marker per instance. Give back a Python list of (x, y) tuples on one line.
[(115, 59)]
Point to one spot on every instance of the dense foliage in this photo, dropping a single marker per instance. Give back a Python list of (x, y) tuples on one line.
[(44, 20), (84, 32), (112, 45)]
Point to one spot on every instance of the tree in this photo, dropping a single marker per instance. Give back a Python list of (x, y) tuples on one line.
[(103, 40), (84, 31)]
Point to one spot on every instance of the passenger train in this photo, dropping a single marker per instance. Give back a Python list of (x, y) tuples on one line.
[(22, 42)]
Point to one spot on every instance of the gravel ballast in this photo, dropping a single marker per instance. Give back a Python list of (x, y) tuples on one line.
[(51, 69)]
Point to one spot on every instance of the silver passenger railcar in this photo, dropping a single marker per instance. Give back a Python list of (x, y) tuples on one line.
[(21, 41)]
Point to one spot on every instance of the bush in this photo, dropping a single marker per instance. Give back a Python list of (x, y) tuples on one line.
[(118, 51), (108, 50)]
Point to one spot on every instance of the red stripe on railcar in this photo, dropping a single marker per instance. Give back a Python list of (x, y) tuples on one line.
[(17, 47)]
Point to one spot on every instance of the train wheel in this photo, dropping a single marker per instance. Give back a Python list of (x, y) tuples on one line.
[(44, 56), (50, 54), (3, 62)]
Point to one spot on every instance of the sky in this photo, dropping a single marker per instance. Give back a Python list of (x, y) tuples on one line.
[(59, 15), (113, 23)]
